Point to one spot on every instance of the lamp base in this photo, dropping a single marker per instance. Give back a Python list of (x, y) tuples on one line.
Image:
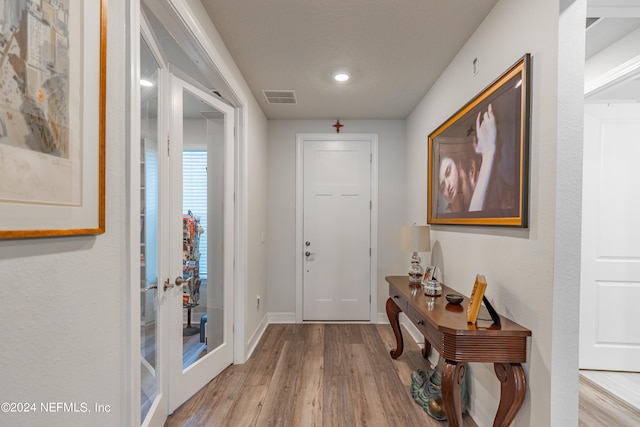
[(416, 272)]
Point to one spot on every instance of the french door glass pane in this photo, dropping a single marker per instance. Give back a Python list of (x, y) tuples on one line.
[(148, 229), (203, 203)]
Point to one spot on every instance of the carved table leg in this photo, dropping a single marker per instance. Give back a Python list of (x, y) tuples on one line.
[(513, 388), (426, 349), (452, 377), (393, 311)]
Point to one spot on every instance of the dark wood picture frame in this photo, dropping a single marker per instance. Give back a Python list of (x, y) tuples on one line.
[(479, 158)]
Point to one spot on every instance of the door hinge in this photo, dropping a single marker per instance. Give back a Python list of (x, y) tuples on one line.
[(370, 205), (168, 145)]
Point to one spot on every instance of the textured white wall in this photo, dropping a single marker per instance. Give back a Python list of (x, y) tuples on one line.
[(525, 268), (63, 307), (282, 207)]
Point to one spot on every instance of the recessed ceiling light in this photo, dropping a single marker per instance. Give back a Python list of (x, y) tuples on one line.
[(341, 77), (146, 83)]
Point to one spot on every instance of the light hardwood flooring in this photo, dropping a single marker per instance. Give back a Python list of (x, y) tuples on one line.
[(314, 375), (342, 375), (624, 385), (599, 407)]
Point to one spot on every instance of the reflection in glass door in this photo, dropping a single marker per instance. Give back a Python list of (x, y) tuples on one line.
[(149, 292)]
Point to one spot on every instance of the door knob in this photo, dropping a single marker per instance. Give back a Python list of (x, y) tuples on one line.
[(180, 281)]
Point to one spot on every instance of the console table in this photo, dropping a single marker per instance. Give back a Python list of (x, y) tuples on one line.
[(445, 328)]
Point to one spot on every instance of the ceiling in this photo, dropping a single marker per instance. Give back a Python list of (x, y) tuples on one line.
[(393, 49), (609, 21)]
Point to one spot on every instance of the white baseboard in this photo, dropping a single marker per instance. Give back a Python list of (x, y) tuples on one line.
[(255, 337), (281, 317)]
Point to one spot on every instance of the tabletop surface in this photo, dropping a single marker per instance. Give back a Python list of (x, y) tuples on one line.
[(451, 318)]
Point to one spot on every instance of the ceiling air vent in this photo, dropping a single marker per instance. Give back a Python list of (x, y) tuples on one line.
[(280, 96)]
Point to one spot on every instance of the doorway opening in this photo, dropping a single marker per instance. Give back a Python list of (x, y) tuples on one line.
[(608, 347)]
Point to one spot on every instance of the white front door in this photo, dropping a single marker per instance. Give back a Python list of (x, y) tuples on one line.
[(610, 282), (337, 229), (201, 309)]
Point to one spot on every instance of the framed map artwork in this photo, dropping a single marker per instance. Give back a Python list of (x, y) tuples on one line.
[(52, 117)]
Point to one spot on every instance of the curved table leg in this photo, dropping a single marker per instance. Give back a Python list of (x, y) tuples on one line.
[(393, 311), (452, 377), (426, 349), (513, 389)]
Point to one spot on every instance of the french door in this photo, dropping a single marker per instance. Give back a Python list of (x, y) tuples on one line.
[(153, 379), (201, 307), (186, 244)]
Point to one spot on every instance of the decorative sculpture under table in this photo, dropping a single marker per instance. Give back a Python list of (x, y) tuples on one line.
[(426, 391)]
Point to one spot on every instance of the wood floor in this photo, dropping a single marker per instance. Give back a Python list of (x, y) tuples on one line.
[(342, 375), (314, 375), (600, 408)]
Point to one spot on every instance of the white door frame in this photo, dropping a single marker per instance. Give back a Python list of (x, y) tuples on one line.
[(300, 140)]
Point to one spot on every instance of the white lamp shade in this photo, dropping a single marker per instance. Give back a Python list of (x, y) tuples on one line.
[(415, 238)]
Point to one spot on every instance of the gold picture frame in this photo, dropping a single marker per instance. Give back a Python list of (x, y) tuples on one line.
[(479, 157), (52, 118), (475, 300)]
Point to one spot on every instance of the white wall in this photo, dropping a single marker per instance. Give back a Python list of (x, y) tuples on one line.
[(525, 268), (282, 205), (63, 301)]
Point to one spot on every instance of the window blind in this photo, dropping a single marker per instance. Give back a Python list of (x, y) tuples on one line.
[(194, 195)]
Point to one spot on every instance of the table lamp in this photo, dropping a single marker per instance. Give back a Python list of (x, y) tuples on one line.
[(415, 238)]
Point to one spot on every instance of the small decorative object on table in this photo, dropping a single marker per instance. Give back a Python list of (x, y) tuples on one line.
[(415, 238), (431, 288), (430, 284), (476, 298), (454, 298)]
